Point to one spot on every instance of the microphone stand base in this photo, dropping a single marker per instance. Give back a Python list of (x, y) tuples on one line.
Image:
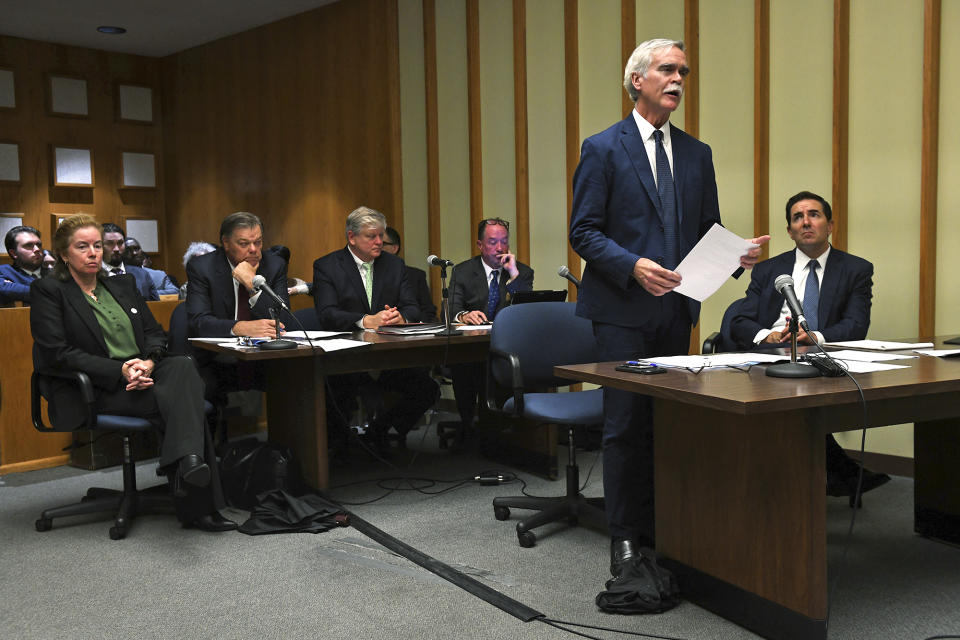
[(278, 345), (793, 370)]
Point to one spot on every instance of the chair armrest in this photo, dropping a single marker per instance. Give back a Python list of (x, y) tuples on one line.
[(710, 343), (516, 381), (87, 395)]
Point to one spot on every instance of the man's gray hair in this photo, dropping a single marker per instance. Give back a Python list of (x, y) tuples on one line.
[(363, 217), (640, 61), (238, 220), (197, 249)]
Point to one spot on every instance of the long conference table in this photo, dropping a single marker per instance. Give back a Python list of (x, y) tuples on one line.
[(296, 389), (740, 477)]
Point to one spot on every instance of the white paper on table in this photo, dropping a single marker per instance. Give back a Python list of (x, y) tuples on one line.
[(716, 360), (711, 262), (855, 366), (880, 345), (475, 327), (335, 344), (942, 353), (313, 335), (214, 340), (867, 356)]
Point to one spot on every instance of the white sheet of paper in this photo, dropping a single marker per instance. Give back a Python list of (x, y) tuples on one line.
[(313, 335), (335, 344), (709, 361), (880, 345), (856, 366), (868, 356), (938, 352), (711, 262)]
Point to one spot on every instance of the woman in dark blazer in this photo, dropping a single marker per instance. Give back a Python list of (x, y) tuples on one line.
[(85, 321)]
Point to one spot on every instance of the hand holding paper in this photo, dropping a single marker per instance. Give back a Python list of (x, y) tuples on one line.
[(719, 253)]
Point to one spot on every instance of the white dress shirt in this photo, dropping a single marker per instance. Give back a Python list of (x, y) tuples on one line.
[(650, 142), (800, 274)]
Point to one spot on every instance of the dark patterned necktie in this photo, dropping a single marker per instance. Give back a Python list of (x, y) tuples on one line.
[(811, 297), (668, 204), (116, 271), (493, 298)]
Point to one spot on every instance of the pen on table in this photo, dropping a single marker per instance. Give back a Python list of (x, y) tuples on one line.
[(638, 363)]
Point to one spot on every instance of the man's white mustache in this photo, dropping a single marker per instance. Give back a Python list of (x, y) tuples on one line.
[(675, 87)]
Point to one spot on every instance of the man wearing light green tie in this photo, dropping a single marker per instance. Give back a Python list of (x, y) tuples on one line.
[(363, 287)]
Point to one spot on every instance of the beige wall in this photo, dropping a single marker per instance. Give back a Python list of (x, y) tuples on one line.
[(884, 131)]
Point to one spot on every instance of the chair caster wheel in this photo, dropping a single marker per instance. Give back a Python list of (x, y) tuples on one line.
[(117, 533), (526, 539), (43, 524), (501, 513)]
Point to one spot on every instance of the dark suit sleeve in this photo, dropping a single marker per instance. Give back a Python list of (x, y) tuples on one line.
[(856, 292), (523, 281), (51, 322), (428, 310), (458, 294), (202, 320), (326, 299), (745, 324), (12, 286), (407, 297), (588, 220)]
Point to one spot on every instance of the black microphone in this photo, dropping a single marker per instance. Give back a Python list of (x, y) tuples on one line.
[(260, 284), (784, 286), (434, 261), (563, 272)]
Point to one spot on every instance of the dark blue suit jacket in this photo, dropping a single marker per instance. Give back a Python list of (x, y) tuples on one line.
[(845, 294), (340, 299), (14, 285), (210, 298), (144, 282), (617, 220)]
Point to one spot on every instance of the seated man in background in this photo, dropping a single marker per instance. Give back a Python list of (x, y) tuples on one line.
[(416, 277), (363, 287), (133, 254), (114, 244), (221, 301), (835, 289), (24, 246), (482, 286), (195, 249)]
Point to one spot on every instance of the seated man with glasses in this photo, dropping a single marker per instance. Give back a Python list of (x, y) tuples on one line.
[(482, 286)]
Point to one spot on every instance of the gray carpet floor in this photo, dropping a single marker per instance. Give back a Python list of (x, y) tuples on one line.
[(164, 581)]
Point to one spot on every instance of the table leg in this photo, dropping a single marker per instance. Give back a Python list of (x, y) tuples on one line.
[(936, 447), (297, 416), (741, 509)]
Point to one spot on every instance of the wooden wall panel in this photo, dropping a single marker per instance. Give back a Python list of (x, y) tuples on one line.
[(35, 131), (293, 121)]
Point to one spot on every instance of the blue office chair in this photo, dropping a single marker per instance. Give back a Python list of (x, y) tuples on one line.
[(526, 342), (720, 341), (128, 502), (308, 318)]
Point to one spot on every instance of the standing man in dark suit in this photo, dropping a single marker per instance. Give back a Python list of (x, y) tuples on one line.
[(417, 278), (644, 193), (114, 244), (482, 286), (24, 246), (835, 289), (221, 301), (363, 287)]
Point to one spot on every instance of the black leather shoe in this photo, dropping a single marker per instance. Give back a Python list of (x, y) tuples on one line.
[(845, 484), (621, 551), (212, 522), (193, 470)]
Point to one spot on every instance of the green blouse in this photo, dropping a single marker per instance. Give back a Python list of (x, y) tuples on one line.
[(114, 323)]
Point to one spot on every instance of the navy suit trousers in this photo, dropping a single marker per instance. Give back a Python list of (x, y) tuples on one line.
[(628, 420)]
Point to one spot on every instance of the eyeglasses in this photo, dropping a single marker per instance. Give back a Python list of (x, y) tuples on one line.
[(495, 221)]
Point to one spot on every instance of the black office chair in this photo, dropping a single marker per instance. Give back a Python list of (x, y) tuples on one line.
[(308, 318), (526, 342), (720, 341), (127, 503)]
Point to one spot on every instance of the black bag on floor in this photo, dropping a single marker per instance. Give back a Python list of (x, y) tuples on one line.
[(642, 587), (250, 467)]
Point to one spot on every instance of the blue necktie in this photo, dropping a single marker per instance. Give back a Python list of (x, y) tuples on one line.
[(811, 296), (493, 298), (668, 204)]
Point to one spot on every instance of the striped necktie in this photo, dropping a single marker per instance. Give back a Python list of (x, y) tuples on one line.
[(668, 204)]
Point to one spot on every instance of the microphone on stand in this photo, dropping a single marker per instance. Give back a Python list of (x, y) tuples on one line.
[(793, 369), (434, 261), (563, 272), (260, 284), (784, 286)]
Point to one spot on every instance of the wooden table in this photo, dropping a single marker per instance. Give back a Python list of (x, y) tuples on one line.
[(740, 477), (296, 389)]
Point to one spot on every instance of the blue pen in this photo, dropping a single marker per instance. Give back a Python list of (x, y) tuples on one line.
[(637, 363)]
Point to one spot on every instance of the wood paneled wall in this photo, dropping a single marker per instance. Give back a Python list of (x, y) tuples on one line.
[(296, 121), (34, 130)]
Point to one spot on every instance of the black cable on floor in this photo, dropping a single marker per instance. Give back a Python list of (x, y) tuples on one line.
[(557, 624)]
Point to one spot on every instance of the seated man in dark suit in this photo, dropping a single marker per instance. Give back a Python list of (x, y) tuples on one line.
[(835, 290), (114, 244), (363, 287), (482, 286), (133, 255), (416, 277), (24, 246), (221, 301)]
